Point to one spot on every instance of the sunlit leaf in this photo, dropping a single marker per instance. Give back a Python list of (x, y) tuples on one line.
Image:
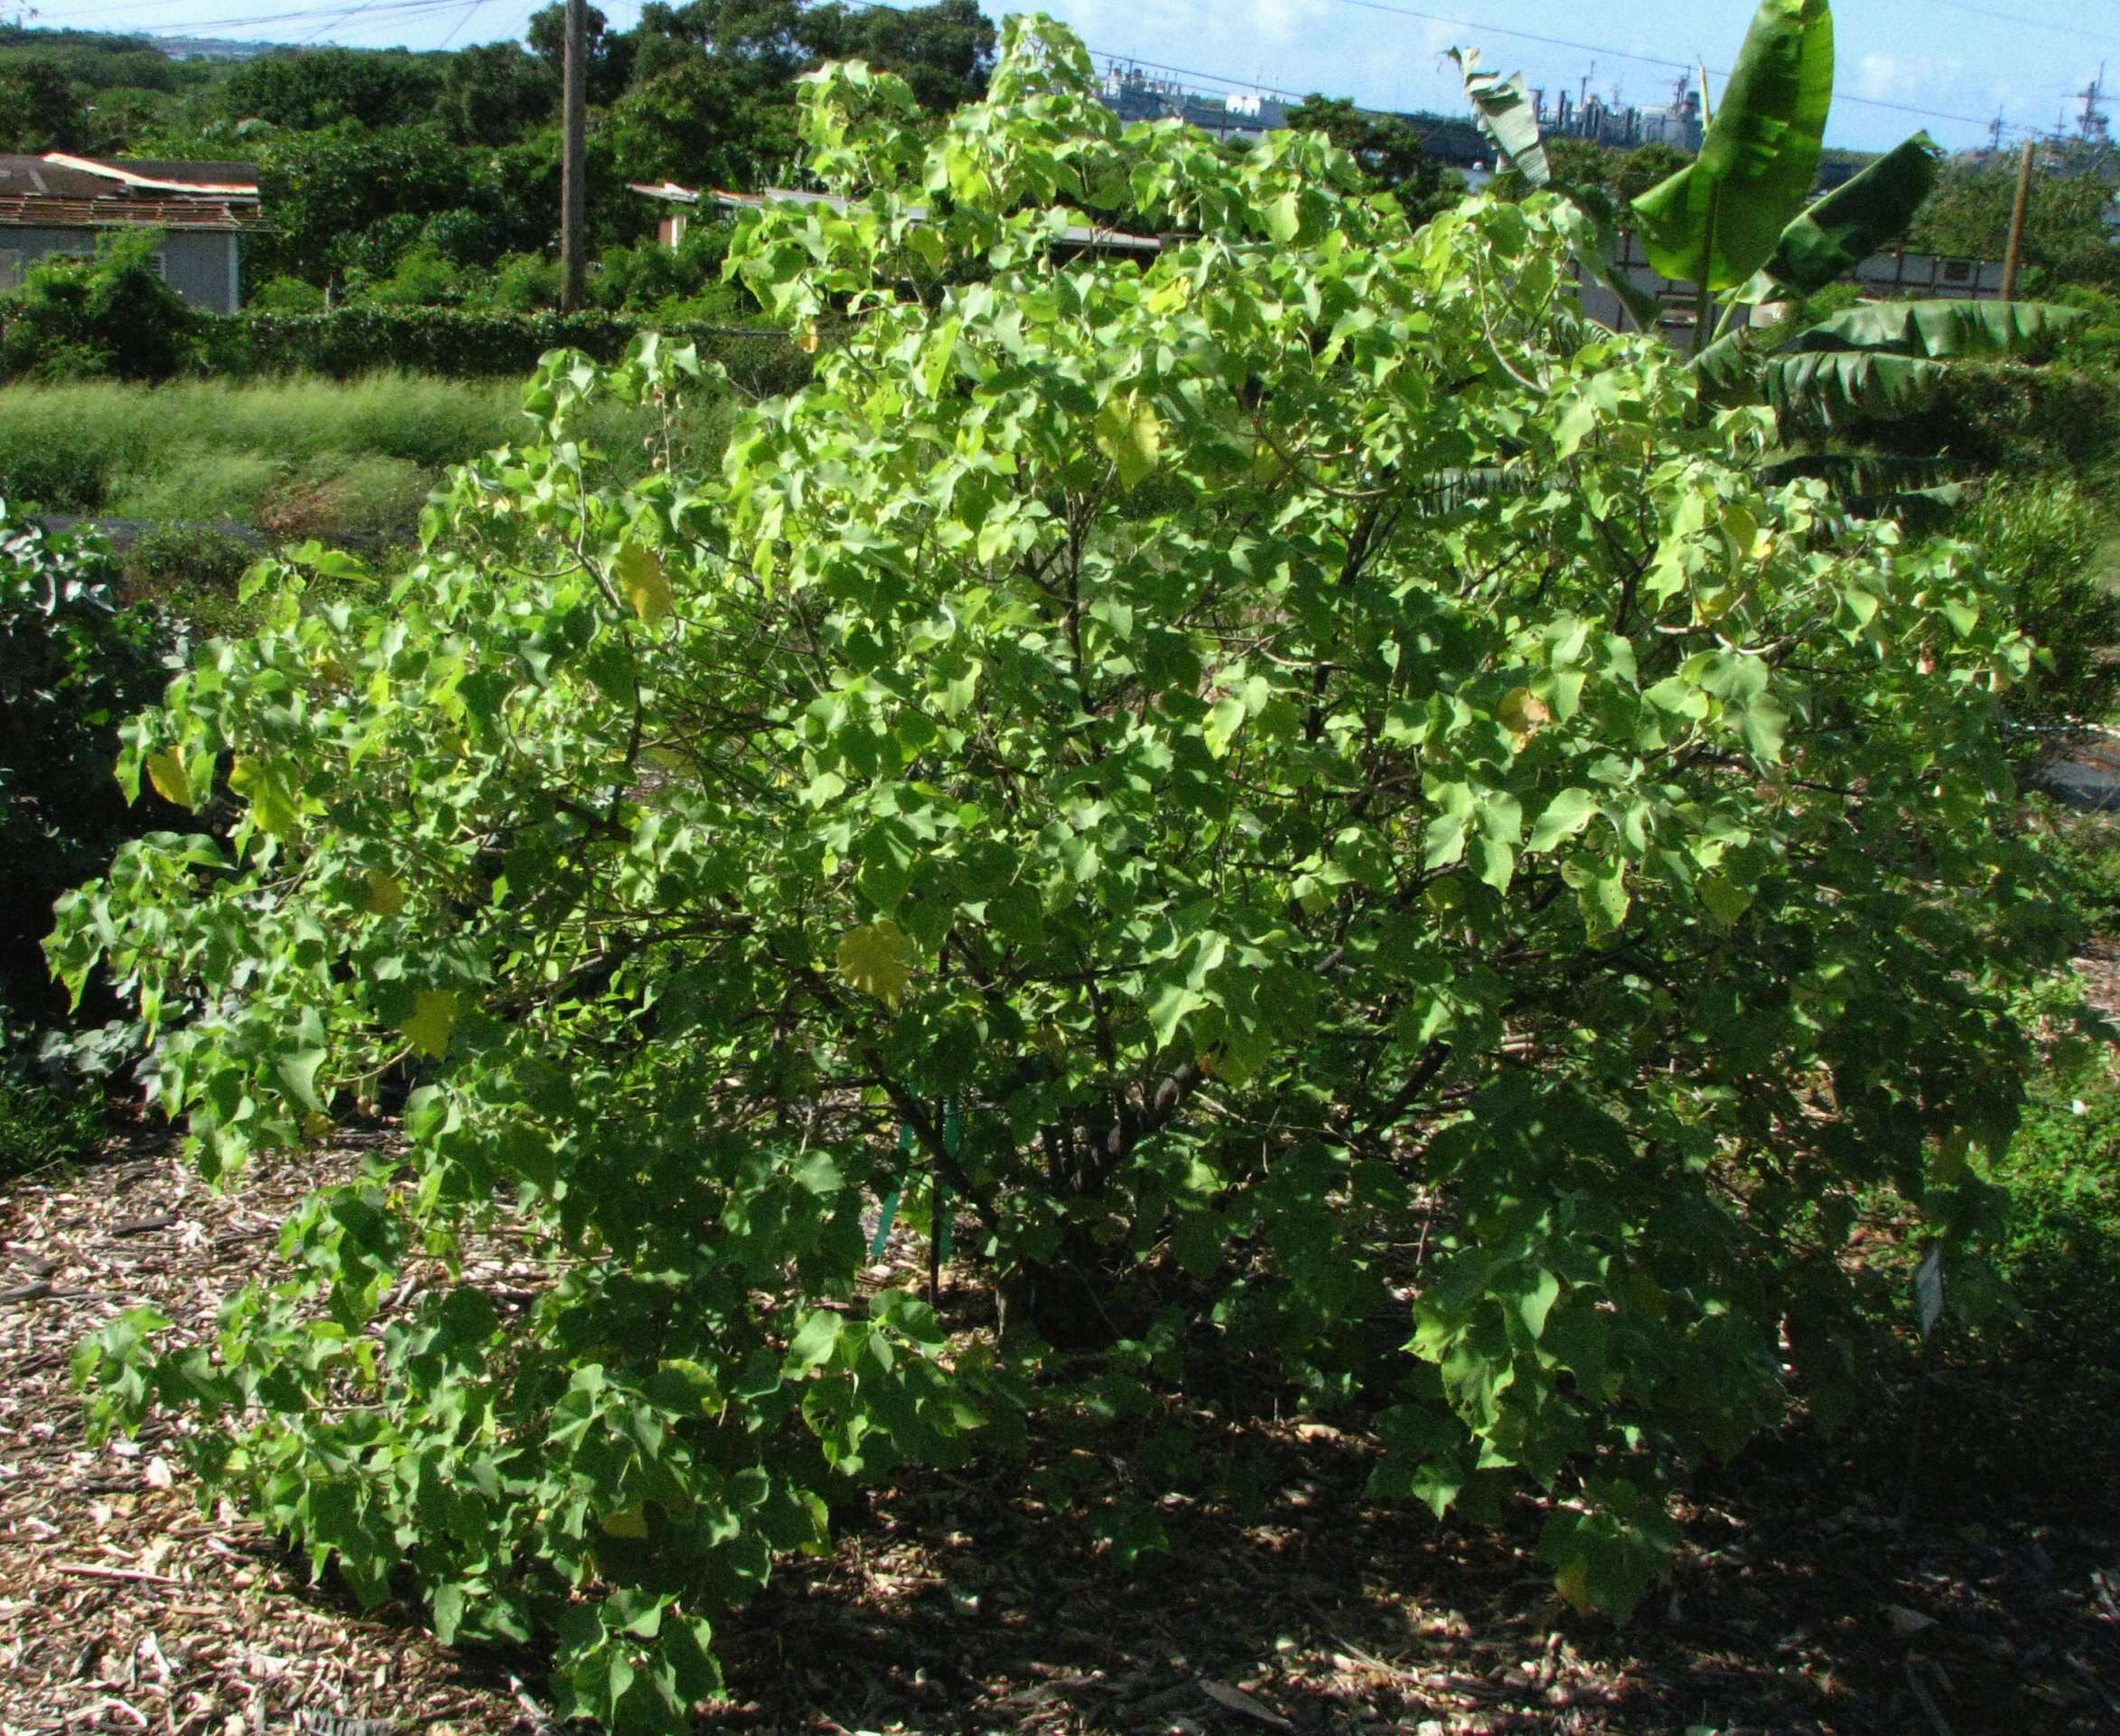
[(877, 958)]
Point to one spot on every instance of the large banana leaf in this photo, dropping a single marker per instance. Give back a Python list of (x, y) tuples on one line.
[(1721, 215), (1841, 386), (1507, 115), (1954, 330), (1856, 217)]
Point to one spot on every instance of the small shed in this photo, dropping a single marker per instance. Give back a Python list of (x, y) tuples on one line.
[(58, 204)]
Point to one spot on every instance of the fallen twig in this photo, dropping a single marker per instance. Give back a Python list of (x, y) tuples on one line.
[(87, 1570)]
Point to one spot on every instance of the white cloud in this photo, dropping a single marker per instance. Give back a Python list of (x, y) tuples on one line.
[(1280, 20), (1911, 78)]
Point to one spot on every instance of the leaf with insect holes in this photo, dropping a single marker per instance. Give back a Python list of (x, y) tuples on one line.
[(877, 958), (641, 581)]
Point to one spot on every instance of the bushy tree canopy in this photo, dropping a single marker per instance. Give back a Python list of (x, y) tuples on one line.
[(38, 108), (1316, 797), (2067, 236), (320, 87)]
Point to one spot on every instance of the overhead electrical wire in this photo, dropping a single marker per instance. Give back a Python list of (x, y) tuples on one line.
[(376, 11)]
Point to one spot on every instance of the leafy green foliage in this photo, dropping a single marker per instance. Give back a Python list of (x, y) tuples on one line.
[(1389, 151), (38, 108), (111, 314), (1063, 745), (1857, 217), (2066, 239), (1716, 221), (42, 1124), (2061, 1256), (320, 87), (2042, 537), (72, 665)]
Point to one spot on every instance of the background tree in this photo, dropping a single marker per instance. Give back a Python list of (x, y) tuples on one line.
[(2068, 235), (38, 108), (498, 92), (611, 52), (1388, 149), (1642, 168), (319, 87)]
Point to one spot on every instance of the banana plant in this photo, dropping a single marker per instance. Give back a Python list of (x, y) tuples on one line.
[(1736, 221), (1506, 112), (1721, 218), (1876, 361)]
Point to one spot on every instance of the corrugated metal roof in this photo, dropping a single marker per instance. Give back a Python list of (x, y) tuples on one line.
[(44, 212), (233, 180), (189, 173), (27, 174)]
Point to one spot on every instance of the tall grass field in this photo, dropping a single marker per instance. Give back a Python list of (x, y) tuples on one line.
[(292, 457)]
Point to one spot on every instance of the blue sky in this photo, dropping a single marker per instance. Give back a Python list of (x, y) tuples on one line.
[(1958, 61)]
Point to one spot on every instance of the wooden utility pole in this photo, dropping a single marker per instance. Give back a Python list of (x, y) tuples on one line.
[(573, 204), (2016, 250)]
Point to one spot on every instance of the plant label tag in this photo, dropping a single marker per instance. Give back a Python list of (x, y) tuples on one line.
[(1928, 1290)]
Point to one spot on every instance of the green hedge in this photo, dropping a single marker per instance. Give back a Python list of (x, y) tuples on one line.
[(350, 341)]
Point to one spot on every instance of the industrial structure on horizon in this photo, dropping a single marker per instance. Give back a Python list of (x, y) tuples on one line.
[(1137, 91)]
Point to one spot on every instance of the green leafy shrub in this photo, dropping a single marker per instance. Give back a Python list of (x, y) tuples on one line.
[(1322, 802), (2003, 417), (111, 314), (2095, 342), (2061, 1256), (182, 566), (524, 283), (2040, 537), (420, 277), (44, 1123), (2086, 848), (286, 294), (73, 664)]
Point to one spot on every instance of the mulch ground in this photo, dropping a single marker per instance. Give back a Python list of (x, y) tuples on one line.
[(1822, 1587)]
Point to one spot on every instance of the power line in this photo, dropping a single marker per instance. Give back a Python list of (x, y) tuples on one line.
[(390, 11), (1646, 60), (2030, 23)]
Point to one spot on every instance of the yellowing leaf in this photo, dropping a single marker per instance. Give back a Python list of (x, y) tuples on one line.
[(434, 1019), (877, 959), (385, 897), (631, 1523), (1573, 1583), (173, 783), (640, 574), (1523, 713), (1131, 434)]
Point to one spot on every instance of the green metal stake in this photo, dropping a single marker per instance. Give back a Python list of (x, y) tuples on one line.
[(890, 1199)]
